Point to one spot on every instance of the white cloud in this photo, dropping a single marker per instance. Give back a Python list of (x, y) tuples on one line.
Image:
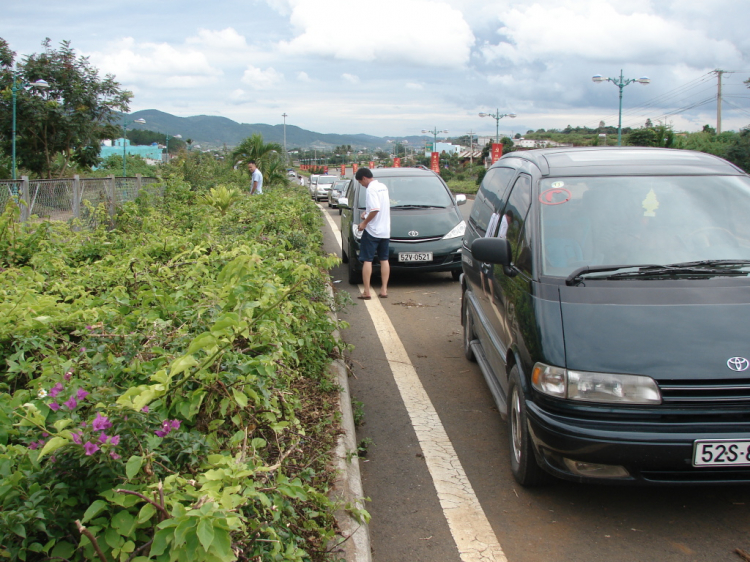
[(158, 65), (594, 30), (419, 32), (351, 78), (223, 40), (259, 79), (414, 86), (303, 77)]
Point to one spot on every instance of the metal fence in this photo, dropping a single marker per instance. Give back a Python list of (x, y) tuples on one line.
[(63, 199)]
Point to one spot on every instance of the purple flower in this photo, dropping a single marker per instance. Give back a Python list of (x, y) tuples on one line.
[(103, 437), (76, 435), (54, 406), (100, 422), (67, 375), (83, 424), (90, 448), (114, 440), (83, 350), (71, 404), (55, 390), (89, 327), (161, 433), (114, 455), (175, 424), (45, 434), (33, 446), (144, 409), (81, 394)]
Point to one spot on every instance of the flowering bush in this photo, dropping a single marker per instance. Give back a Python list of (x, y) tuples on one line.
[(153, 402)]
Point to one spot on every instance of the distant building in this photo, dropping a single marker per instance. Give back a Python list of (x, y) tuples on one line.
[(441, 147), (152, 154)]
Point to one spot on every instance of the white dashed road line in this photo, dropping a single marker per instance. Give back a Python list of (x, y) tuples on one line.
[(472, 533)]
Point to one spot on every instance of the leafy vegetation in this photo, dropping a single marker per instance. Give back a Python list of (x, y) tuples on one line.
[(164, 392), (68, 119)]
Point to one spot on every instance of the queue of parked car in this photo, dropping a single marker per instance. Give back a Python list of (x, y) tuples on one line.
[(605, 295)]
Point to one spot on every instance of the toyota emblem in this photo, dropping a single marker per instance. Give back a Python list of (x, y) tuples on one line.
[(738, 364), (413, 233)]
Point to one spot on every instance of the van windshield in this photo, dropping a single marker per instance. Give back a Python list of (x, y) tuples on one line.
[(410, 192), (658, 220)]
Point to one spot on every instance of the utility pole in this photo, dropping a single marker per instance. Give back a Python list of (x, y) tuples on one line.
[(718, 101), (284, 115)]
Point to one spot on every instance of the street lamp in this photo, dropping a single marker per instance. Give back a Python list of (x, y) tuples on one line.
[(15, 87), (620, 82), (286, 158), (124, 138), (497, 116), (434, 133), (170, 137)]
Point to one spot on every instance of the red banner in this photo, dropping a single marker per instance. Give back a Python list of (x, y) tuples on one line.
[(435, 162), (497, 151), (397, 162), (372, 164), (355, 167), (343, 170), (325, 170)]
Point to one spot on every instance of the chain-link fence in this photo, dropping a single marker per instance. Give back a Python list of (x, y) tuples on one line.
[(63, 199)]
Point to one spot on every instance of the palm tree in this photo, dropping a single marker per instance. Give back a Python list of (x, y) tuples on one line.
[(253, 148)]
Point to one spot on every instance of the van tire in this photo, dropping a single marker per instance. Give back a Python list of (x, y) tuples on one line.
[(468, 331), (523, 463)]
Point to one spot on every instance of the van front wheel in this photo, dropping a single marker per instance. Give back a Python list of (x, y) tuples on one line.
[(523, 465)]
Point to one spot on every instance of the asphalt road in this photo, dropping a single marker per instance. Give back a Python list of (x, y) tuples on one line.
[(561, 521)]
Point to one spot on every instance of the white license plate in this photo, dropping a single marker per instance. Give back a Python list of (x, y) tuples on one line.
[(415, 256), (722, 452)]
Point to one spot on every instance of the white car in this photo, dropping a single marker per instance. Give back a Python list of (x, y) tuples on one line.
[(323, 187)]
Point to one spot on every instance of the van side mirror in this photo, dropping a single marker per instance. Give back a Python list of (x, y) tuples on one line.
[(460, 199), (492, 250), (343, 202)]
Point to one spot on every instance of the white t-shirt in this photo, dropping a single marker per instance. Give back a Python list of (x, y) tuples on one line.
[(257, 176), (503, 227), (378, 200)]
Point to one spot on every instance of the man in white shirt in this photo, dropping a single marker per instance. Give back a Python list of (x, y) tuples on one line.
[(376, 231), (256, 183)]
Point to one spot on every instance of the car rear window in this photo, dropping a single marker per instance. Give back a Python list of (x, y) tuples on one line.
[(419, 191)]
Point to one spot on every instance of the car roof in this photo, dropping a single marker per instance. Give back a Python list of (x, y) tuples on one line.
[(392, 172), (623, 161)]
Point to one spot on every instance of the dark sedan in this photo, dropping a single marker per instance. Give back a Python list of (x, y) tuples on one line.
[(426, 224)]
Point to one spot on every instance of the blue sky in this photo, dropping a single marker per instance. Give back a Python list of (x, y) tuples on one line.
[(396, 67)]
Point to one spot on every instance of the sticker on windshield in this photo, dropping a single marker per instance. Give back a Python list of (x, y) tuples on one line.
[(558, 184), (555, 196), (650, 204)]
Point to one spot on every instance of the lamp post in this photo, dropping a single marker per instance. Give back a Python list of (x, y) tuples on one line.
[(497, 116), (620, 82), (434, 133), (286, 158), (15, 87), (170, 137), (124, 139)]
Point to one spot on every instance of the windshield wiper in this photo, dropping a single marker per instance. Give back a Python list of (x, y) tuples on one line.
[(652, 270), (577, 275), (710, 263), (417, 207)]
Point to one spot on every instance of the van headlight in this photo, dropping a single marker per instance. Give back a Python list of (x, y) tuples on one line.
[(456, 231), (594, 387), (356, 231)]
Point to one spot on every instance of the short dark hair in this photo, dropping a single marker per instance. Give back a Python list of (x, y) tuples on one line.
[(363, 173), (251, 162)]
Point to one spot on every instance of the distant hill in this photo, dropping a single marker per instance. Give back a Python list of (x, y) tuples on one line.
[(215, 132)]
